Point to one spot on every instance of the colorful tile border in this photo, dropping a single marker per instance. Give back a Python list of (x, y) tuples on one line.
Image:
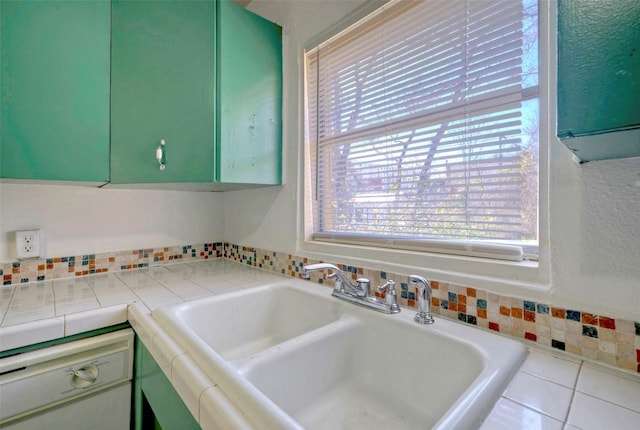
[(80, 265), (602, 338)]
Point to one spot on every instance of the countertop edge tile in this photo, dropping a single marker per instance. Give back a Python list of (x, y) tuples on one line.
[(94, 319), (164, 351), (32, 332), (216, 412), (190, 382)]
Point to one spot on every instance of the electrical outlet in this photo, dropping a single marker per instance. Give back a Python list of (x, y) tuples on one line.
[(28, 243)]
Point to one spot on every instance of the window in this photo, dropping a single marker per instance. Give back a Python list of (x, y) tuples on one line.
[(422, 126)]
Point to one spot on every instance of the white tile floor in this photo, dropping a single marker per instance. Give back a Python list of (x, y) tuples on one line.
[(559, 392)]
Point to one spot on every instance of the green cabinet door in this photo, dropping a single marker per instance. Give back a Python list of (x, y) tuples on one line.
[(162, 88), (599, 78), (55, 90), (249, 78)]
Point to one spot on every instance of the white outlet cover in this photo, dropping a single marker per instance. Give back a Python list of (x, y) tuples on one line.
[(28, 243)]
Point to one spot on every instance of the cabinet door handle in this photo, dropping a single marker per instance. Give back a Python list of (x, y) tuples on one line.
[(160, 155)]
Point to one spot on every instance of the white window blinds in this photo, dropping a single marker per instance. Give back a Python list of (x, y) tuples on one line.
[(422, 125)]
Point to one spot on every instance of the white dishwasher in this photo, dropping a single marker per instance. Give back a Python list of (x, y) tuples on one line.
[(83, 384)]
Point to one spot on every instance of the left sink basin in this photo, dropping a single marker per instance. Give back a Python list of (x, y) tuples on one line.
[(239, 324)]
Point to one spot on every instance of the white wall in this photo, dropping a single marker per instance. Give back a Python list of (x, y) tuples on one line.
[(83, 220), (591, 216)]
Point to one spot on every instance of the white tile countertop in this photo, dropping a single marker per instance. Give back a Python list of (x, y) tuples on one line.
[(552, 390)]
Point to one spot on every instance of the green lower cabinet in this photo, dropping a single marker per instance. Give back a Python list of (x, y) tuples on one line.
[(157, 405), (55, 90)]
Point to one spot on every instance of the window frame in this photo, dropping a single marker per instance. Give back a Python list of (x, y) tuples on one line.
[(531, 272)]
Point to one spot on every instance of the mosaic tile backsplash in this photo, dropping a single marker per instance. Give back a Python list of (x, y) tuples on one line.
[(602, 338)]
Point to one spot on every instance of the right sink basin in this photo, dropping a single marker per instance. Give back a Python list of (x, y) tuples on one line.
[(291, 356)]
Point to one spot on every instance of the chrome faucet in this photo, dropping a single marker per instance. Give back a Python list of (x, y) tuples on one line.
[(424, 299), (343, 283), (358, 292)]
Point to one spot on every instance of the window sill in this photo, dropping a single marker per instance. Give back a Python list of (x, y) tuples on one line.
[(498, 276)]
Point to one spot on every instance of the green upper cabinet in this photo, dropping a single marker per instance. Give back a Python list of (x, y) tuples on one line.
[(599, 78), (55, 90), (249, 78), (162, 88), (205, 77)]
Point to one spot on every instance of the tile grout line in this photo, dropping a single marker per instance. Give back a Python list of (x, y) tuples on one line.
[(573, 393), (530, 408), (610, 402)]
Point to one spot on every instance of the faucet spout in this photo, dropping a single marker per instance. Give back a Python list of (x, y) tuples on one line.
[(424, 299), (359, 288)]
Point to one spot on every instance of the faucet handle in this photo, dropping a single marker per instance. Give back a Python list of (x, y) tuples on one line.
[(389, 286), (390, 296), (363, 287)]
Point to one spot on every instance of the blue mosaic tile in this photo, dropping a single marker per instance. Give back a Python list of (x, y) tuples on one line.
[(383, 275), (24, 280), (1, 272), (453, 297), (16, 265), (404, 286), (6, 283), (557, 344), (590, 331), (462, 317), (123, 267), (542, 309), (481, 304), (637, 328), (573, 315), (471, 319), (529, 306), (40, 278), (49, 260), (403, 294), (444, 304), (412, 295)]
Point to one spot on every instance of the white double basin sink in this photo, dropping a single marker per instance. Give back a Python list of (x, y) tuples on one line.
[(289, 355)]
